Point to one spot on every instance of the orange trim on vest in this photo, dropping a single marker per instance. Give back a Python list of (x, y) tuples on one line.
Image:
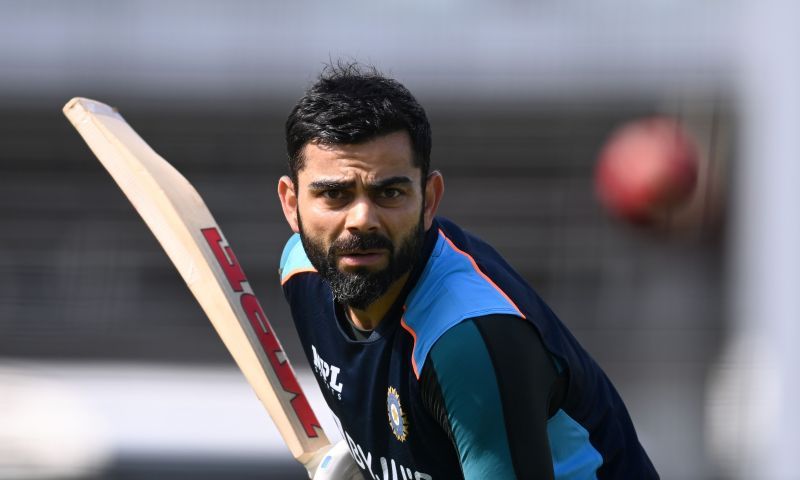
[(485, 277), (296, 271), (413, 334)]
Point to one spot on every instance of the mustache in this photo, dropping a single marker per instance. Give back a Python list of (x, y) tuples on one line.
[(361, 241)]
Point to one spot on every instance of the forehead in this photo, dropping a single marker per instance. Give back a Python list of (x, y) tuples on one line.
[(383, 156)]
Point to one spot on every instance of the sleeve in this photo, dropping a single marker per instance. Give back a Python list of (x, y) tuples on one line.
[(492, 385)]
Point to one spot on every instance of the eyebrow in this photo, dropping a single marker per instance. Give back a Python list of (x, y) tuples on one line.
[(327, 184)]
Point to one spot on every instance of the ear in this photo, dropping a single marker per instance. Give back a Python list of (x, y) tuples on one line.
[(288, 196), (434, 190)]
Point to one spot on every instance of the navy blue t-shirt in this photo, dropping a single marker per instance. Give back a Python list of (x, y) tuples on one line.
[(469, 375)]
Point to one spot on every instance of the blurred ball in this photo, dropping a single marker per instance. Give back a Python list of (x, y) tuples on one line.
[(647, 167)]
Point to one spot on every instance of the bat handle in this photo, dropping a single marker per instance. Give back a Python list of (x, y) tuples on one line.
[(337, 464)]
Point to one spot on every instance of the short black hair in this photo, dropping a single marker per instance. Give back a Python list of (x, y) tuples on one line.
[(351, 104)]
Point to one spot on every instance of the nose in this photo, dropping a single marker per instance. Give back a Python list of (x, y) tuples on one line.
[(362, 216)]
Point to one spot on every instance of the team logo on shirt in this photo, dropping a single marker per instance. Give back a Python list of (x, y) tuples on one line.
[(397, 419), (328, 373)]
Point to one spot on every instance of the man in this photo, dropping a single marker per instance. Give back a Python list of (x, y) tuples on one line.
[(436, 358)]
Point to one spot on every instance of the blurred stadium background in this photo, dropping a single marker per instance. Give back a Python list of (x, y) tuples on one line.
[(108, 368)]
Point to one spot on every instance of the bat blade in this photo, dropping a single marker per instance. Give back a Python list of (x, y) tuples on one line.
[(185, 228)]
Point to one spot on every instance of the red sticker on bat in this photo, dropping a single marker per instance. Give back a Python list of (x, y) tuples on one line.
[(267, 339)]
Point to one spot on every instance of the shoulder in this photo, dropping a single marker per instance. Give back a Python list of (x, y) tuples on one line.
[(451, 289), (294, 259)]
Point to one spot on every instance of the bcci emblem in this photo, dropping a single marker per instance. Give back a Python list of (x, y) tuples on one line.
[(397, 419)]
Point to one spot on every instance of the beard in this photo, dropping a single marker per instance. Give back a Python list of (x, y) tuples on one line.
[(360, 287)]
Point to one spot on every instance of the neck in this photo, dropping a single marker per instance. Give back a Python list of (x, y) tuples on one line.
[(370, 317)]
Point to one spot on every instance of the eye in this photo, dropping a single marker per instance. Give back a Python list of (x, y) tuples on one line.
[(332, 194), (390, 193)]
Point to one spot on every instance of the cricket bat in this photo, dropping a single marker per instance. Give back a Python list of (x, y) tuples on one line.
[(183, 225)]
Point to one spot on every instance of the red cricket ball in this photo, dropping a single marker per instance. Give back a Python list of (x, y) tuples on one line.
[(645, 168)]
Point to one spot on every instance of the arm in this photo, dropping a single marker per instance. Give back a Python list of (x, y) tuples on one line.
[(492, 386)]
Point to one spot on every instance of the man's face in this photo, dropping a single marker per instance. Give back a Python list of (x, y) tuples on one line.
[(360, 211)]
